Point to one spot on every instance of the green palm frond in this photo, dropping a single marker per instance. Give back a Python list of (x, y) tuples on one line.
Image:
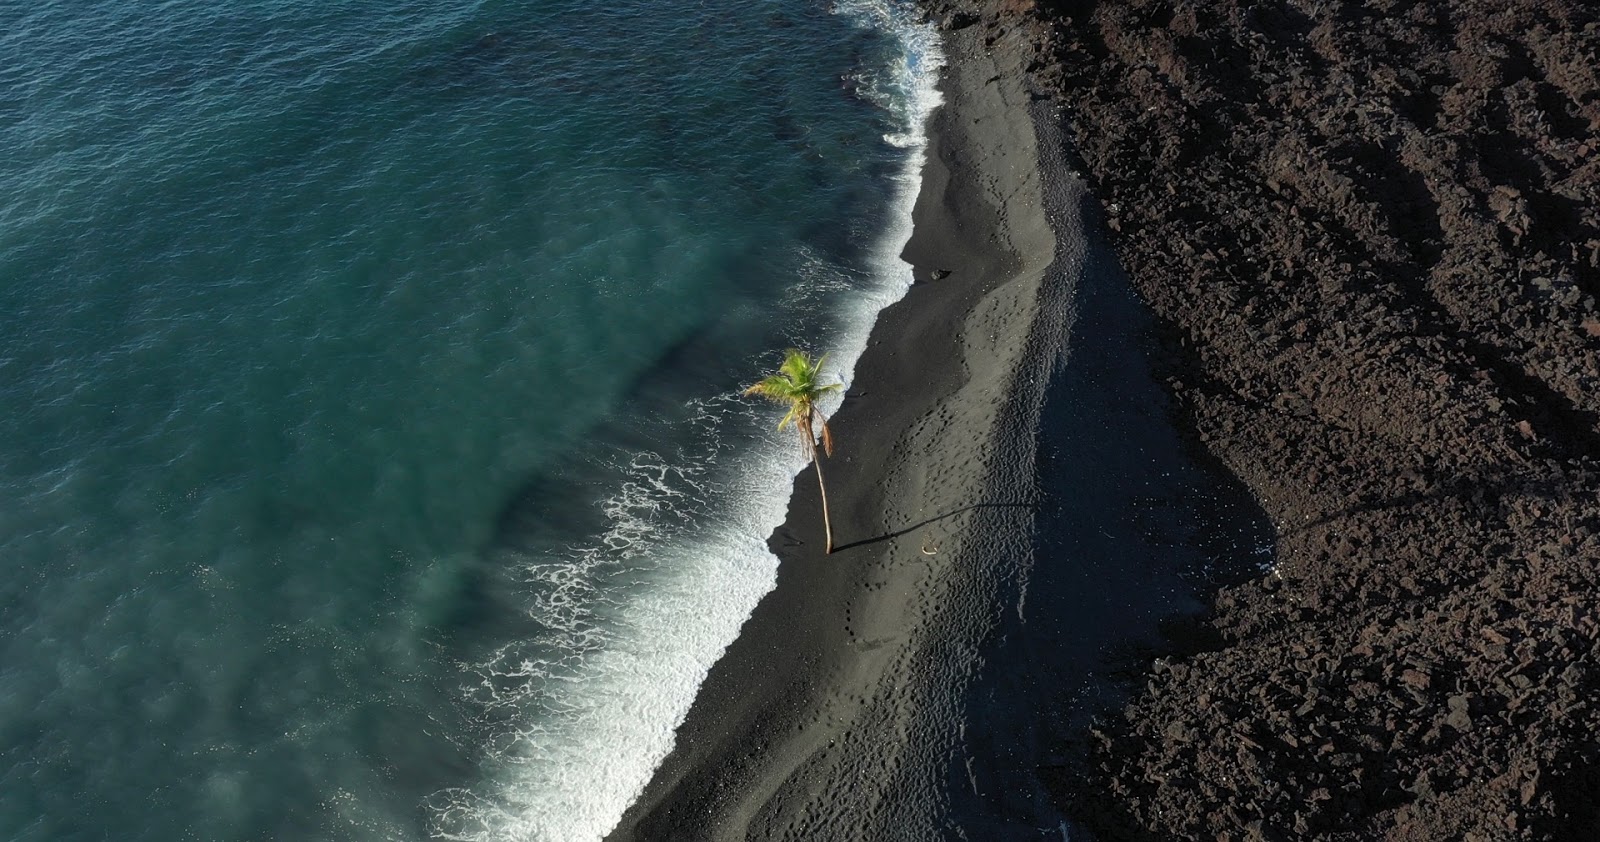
[(777, 388), (796, 386), (798, 367)]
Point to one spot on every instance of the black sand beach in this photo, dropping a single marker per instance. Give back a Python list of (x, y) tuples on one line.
[(833, 714)]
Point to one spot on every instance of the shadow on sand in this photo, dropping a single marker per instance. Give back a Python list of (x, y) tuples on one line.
[(1135, 530)]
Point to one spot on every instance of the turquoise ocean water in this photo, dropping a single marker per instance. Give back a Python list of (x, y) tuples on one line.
[(371, 460)]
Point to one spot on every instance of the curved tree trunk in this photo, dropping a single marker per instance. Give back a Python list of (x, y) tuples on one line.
[(808, 433), (827, 526)]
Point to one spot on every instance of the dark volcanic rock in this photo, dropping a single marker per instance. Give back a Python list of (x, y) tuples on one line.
[(1372, 232), (957, 20)]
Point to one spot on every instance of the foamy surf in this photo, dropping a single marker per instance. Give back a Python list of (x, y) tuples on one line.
[(587, 714)]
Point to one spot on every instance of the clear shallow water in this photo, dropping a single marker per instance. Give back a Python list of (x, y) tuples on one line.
[(370, 466)]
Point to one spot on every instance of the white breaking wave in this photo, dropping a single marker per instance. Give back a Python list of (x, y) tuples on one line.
[(909, 90), (585, 719)]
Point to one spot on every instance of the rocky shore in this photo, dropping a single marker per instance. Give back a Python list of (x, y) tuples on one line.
[(1370, 232)]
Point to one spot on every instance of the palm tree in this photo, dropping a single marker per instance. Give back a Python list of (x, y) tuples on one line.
[(795, 385)]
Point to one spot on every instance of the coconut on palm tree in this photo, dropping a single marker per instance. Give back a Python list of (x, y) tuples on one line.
[(795, 386)]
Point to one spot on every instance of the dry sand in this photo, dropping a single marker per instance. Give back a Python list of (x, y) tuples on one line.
[(834, 715)]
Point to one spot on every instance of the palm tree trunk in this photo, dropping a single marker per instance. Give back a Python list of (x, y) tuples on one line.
[(827, 526), (808, 437)]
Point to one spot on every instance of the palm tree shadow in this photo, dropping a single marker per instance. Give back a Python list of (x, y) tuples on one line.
[(932, 520)]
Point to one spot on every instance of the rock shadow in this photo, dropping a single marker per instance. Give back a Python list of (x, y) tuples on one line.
[(1136, 529)]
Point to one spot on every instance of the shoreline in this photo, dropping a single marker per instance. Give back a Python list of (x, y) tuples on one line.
[(831, 715)]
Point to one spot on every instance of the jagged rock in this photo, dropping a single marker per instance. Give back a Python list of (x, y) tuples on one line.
[(957, 20)]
